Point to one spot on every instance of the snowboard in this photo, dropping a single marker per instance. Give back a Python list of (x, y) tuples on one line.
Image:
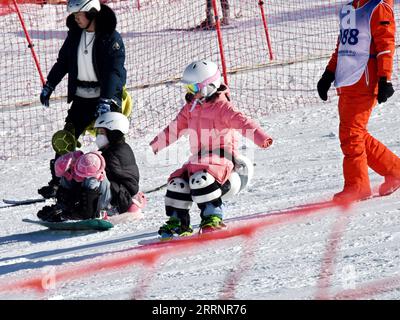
[(75, 225), (159, 241), (179, 239)]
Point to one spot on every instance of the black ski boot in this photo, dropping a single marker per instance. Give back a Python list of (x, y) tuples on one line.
[(51, 213), (68, 200), (67, 205), (88, 201), (50, 190)]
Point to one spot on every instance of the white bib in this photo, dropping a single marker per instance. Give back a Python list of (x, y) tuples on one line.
[(354, 43)]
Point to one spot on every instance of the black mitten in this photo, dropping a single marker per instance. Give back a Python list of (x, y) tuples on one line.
[(325, 83), (385, 90)]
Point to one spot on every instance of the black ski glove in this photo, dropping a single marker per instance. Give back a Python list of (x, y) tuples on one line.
[(385, 90), (325, 83), (45, 94), (104, 106)]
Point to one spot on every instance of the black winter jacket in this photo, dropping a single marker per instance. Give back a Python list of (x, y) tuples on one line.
[(123, 173), (108, 57)]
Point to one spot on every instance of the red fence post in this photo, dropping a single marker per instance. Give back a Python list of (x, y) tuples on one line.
[(30, 44), (264, 19), (220, 43)]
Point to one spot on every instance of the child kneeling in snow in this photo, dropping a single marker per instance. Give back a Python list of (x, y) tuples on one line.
[(99, 183), (215, 170)]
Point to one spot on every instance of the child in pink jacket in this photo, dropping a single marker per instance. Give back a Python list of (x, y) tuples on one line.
[(212, 172)]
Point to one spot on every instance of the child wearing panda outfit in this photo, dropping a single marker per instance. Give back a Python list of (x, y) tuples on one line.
[(212, 172)]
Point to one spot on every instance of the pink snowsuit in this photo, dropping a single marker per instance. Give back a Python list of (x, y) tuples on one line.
[(211, 126)]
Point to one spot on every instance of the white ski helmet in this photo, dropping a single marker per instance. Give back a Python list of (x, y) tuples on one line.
[(113, 121), (83, 6), (205, 75)]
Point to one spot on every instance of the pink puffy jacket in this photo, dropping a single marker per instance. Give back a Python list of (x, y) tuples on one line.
[(210, 126)]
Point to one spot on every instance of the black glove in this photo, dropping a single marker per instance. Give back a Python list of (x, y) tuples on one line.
[(104, 106), (385, 90), (45, 94), (325, 83)]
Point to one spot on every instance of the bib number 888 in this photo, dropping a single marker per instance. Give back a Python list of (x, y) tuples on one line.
[(349, 36)]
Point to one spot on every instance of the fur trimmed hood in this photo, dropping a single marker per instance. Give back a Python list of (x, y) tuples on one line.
[(106, 21)]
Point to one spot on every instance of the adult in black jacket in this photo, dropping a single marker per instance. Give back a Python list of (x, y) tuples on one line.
[(93, 56)]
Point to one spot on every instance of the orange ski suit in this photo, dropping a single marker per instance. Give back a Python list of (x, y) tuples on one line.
[(356, 101)]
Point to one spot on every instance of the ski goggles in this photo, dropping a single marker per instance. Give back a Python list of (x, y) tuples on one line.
[(192, 88)]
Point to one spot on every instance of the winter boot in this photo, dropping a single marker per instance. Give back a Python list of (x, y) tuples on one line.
[(178, 224), (209, 22), (390, 185), (185, 232), (50, 190), (211, 223), (225, 21), (185, 228), (226, 15), (51, 213), (211, 215), (169, 228), (139, 201), (206, 25), (88, 201), (68, 200), (351, 194)]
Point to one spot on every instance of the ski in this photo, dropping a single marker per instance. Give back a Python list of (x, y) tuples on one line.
[(14, 203), (24, 201)]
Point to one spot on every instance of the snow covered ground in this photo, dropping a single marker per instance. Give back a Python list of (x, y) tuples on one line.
[(322, 254), (316, 256)]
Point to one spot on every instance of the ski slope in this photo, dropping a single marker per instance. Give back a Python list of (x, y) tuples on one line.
[(328, 253)]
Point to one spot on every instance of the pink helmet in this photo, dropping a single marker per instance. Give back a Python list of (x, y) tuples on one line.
[(64, 165), (90, 165)]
